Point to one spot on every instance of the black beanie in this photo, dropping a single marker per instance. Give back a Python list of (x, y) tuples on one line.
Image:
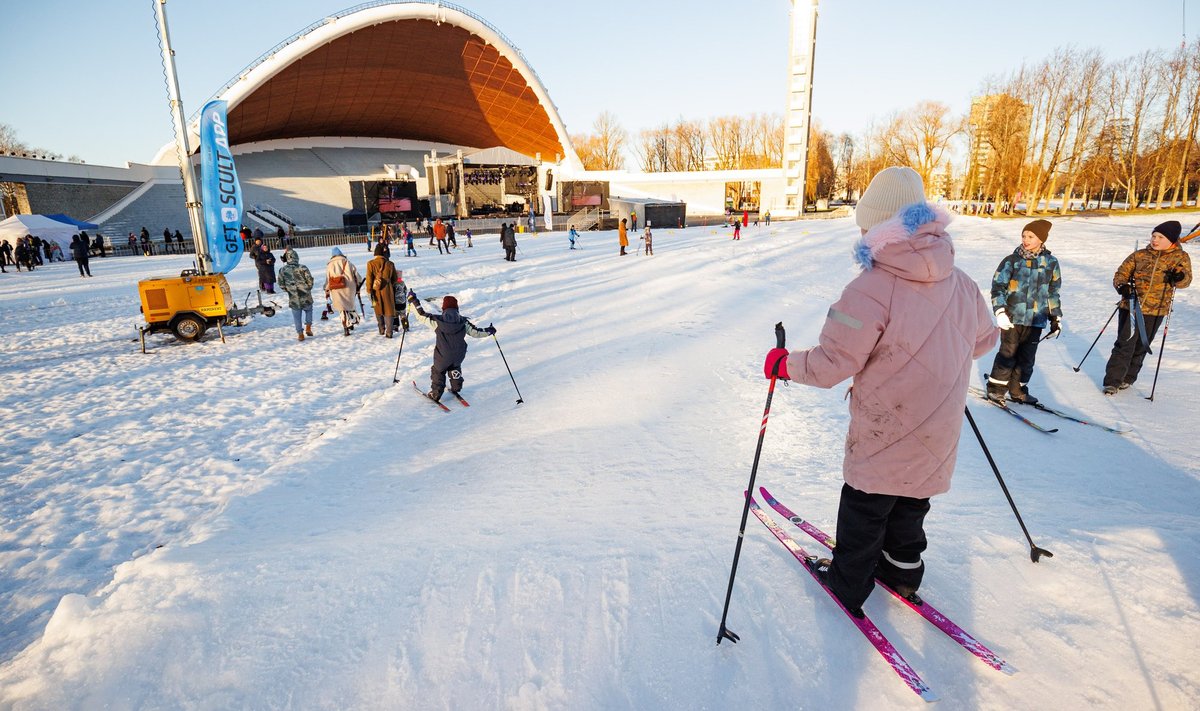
[(1170, 229), (1041, 228)]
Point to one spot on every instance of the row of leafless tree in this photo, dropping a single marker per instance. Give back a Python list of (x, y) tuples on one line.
[(1068, 130), (1071, 129), (726, 142)]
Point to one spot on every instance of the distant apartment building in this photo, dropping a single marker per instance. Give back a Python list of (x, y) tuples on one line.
[(999, 134)]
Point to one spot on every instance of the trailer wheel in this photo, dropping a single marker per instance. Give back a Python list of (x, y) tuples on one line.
[(189, 328)]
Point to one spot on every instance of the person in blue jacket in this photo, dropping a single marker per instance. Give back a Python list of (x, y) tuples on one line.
[(1025, 298)]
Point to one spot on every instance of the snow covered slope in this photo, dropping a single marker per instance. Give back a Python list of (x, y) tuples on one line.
[(272, 524)]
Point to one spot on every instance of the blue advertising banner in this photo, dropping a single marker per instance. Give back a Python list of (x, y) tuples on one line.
[(219, 189)]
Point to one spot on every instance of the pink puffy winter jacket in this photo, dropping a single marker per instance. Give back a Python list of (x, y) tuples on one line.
[(907, 329)]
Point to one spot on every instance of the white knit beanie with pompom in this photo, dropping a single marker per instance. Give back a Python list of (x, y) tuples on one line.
[(890, 189)]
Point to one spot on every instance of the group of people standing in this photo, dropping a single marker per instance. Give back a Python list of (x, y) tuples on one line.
[(623, 235), (390, 299), (32, 251), (1025, 298)]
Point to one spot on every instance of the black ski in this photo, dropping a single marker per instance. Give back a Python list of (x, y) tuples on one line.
[(983, 395)]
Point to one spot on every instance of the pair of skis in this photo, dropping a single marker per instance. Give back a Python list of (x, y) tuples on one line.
[(885, 648), (439, 403), (1048, 410)]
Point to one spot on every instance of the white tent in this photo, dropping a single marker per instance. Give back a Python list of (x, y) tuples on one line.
[(18, 226)]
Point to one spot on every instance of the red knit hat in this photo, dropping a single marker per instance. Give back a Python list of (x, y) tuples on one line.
[(449, 302)]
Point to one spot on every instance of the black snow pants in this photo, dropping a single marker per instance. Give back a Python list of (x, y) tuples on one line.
[(438, 379), (1125, 362), (877, 535), (1014, 359)]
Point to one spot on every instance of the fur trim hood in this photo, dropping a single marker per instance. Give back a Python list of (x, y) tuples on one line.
[(912, 244), (901, 227)]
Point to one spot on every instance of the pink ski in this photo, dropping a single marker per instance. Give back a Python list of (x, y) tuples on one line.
[(924, 609), (894, 659)]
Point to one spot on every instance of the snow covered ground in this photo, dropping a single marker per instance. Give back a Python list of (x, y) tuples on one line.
[(272, 524)]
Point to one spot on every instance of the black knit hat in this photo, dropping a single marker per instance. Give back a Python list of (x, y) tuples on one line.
[(1170, 229), (1041, 228)]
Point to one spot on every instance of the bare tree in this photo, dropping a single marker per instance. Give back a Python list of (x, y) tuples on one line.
[(820, 175), (1132, 88), (603, 149), (611, 141), (1084, 117), (920, 137)]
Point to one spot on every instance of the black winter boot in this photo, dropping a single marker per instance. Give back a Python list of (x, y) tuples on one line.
[(820, 568), (996, 391), (1019, 392)]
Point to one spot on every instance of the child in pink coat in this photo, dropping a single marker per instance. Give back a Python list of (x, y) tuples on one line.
[(907, 330)]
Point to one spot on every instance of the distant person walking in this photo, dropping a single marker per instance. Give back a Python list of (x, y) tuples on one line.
[(633, 220), (622, 236), (381, 285), (439, 231), (410, 250), (572, 235), (297, 281), (737, 230), (508, 238), (649, 239), (79, 251), (341, 284)]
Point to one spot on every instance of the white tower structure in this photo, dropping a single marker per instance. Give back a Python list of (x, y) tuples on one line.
[(803, 49)]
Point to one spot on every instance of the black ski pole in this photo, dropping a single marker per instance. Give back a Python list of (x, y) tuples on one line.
[(724, 632), (396, 375), (1034, 551), (1162, 344), (510, 375), (1098, 335)]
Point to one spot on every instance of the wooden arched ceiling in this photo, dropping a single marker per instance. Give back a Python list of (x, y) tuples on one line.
[(408, 79)]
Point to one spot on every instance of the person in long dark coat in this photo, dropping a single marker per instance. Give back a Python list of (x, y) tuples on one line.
[(79, 250), (265, 262), (381, 284)]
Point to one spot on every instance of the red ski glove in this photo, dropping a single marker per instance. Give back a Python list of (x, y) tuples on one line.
[(776, 358)]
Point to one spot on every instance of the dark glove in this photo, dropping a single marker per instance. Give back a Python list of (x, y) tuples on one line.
[(1173, 276), (1055, 328), (491, 330), (1125, 290), (412, 298), (776, 364)]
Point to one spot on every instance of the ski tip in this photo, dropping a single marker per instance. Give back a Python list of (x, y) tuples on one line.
[(1006, 668), (929, 695)]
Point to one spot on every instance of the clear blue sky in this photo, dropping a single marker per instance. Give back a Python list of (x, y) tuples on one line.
[(84, 77)]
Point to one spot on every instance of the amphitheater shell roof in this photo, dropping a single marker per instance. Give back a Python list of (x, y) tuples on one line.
[(406, 70)]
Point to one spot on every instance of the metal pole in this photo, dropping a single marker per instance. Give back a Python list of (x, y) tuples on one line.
[(182, 148)]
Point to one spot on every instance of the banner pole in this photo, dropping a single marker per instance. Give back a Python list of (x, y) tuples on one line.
[(182, 147)]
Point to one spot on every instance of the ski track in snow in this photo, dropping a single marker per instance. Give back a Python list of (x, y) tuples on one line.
[(270, 524)]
